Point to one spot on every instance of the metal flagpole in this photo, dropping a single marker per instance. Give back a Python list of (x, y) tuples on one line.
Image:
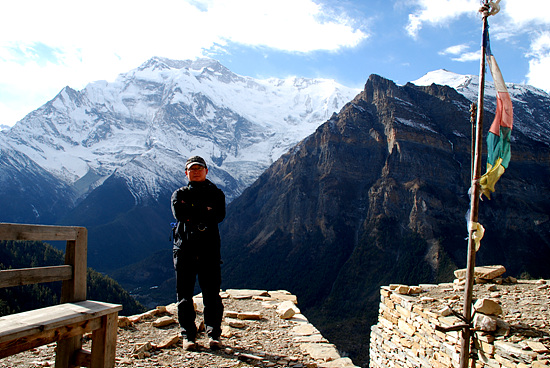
[(474, 201)]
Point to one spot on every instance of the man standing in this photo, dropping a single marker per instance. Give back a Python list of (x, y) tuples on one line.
[(198, 207)]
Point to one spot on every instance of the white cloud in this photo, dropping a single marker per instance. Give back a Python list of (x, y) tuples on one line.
[(414, 25), (67, 42), (290, 25), (438, 12), (526, 13), (540, 62), (468, 56), (454, 50), (459, 51), (534, 21)]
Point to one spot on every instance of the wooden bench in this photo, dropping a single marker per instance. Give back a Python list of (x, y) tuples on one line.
[(66, 322)]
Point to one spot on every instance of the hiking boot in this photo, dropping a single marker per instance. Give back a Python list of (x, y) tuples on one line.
[(214, 344), (188, 345)]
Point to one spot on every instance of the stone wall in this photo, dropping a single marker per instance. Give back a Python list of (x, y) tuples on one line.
[(517, 334)]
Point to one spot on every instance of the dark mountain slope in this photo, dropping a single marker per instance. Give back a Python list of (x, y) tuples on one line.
[(29, 194), (113, 218), (378, 195)]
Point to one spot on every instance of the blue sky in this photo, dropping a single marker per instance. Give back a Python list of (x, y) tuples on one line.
[(45, 46)]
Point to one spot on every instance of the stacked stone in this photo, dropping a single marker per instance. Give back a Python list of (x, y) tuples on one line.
[(406, 335)]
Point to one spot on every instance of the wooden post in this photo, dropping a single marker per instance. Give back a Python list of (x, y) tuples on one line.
[(474, 207), (76, 252), (104, 343), (73, 290)]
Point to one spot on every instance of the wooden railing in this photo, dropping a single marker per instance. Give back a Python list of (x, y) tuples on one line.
[(68, 321)]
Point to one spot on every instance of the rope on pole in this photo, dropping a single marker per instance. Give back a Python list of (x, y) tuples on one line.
[(494, 7), (489, 8)]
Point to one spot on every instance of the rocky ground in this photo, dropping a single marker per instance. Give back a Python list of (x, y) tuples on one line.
[(254, 335), (525, 304)]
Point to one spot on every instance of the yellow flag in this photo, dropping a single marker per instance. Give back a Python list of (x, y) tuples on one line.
[(490, 178)]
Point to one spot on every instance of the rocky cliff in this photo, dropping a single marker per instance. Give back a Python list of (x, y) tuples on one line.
[(378, 195)]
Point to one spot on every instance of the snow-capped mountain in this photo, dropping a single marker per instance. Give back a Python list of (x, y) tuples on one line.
[(148, 121), (108, 157), (527, 121)]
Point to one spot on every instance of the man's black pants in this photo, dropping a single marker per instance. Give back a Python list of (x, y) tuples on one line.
[(209, 275)]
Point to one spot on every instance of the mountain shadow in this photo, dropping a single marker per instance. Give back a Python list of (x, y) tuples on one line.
[(379, 195), (29, 194), (121, 229)]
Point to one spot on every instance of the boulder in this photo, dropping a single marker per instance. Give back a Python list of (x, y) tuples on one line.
[(488, 307), (287, 310), (485, 323), (482, 272), (283, 295), (250, 315), (245, 293), (167, 342), (324, 352), (163, 321)]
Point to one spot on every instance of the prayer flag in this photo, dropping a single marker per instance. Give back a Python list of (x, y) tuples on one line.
[(498, 138)]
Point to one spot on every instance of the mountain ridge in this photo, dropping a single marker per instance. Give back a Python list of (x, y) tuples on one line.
[(160, 107), (468, 85), (378, 195)]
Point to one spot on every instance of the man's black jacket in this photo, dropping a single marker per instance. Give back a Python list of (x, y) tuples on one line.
[(198, 207)]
